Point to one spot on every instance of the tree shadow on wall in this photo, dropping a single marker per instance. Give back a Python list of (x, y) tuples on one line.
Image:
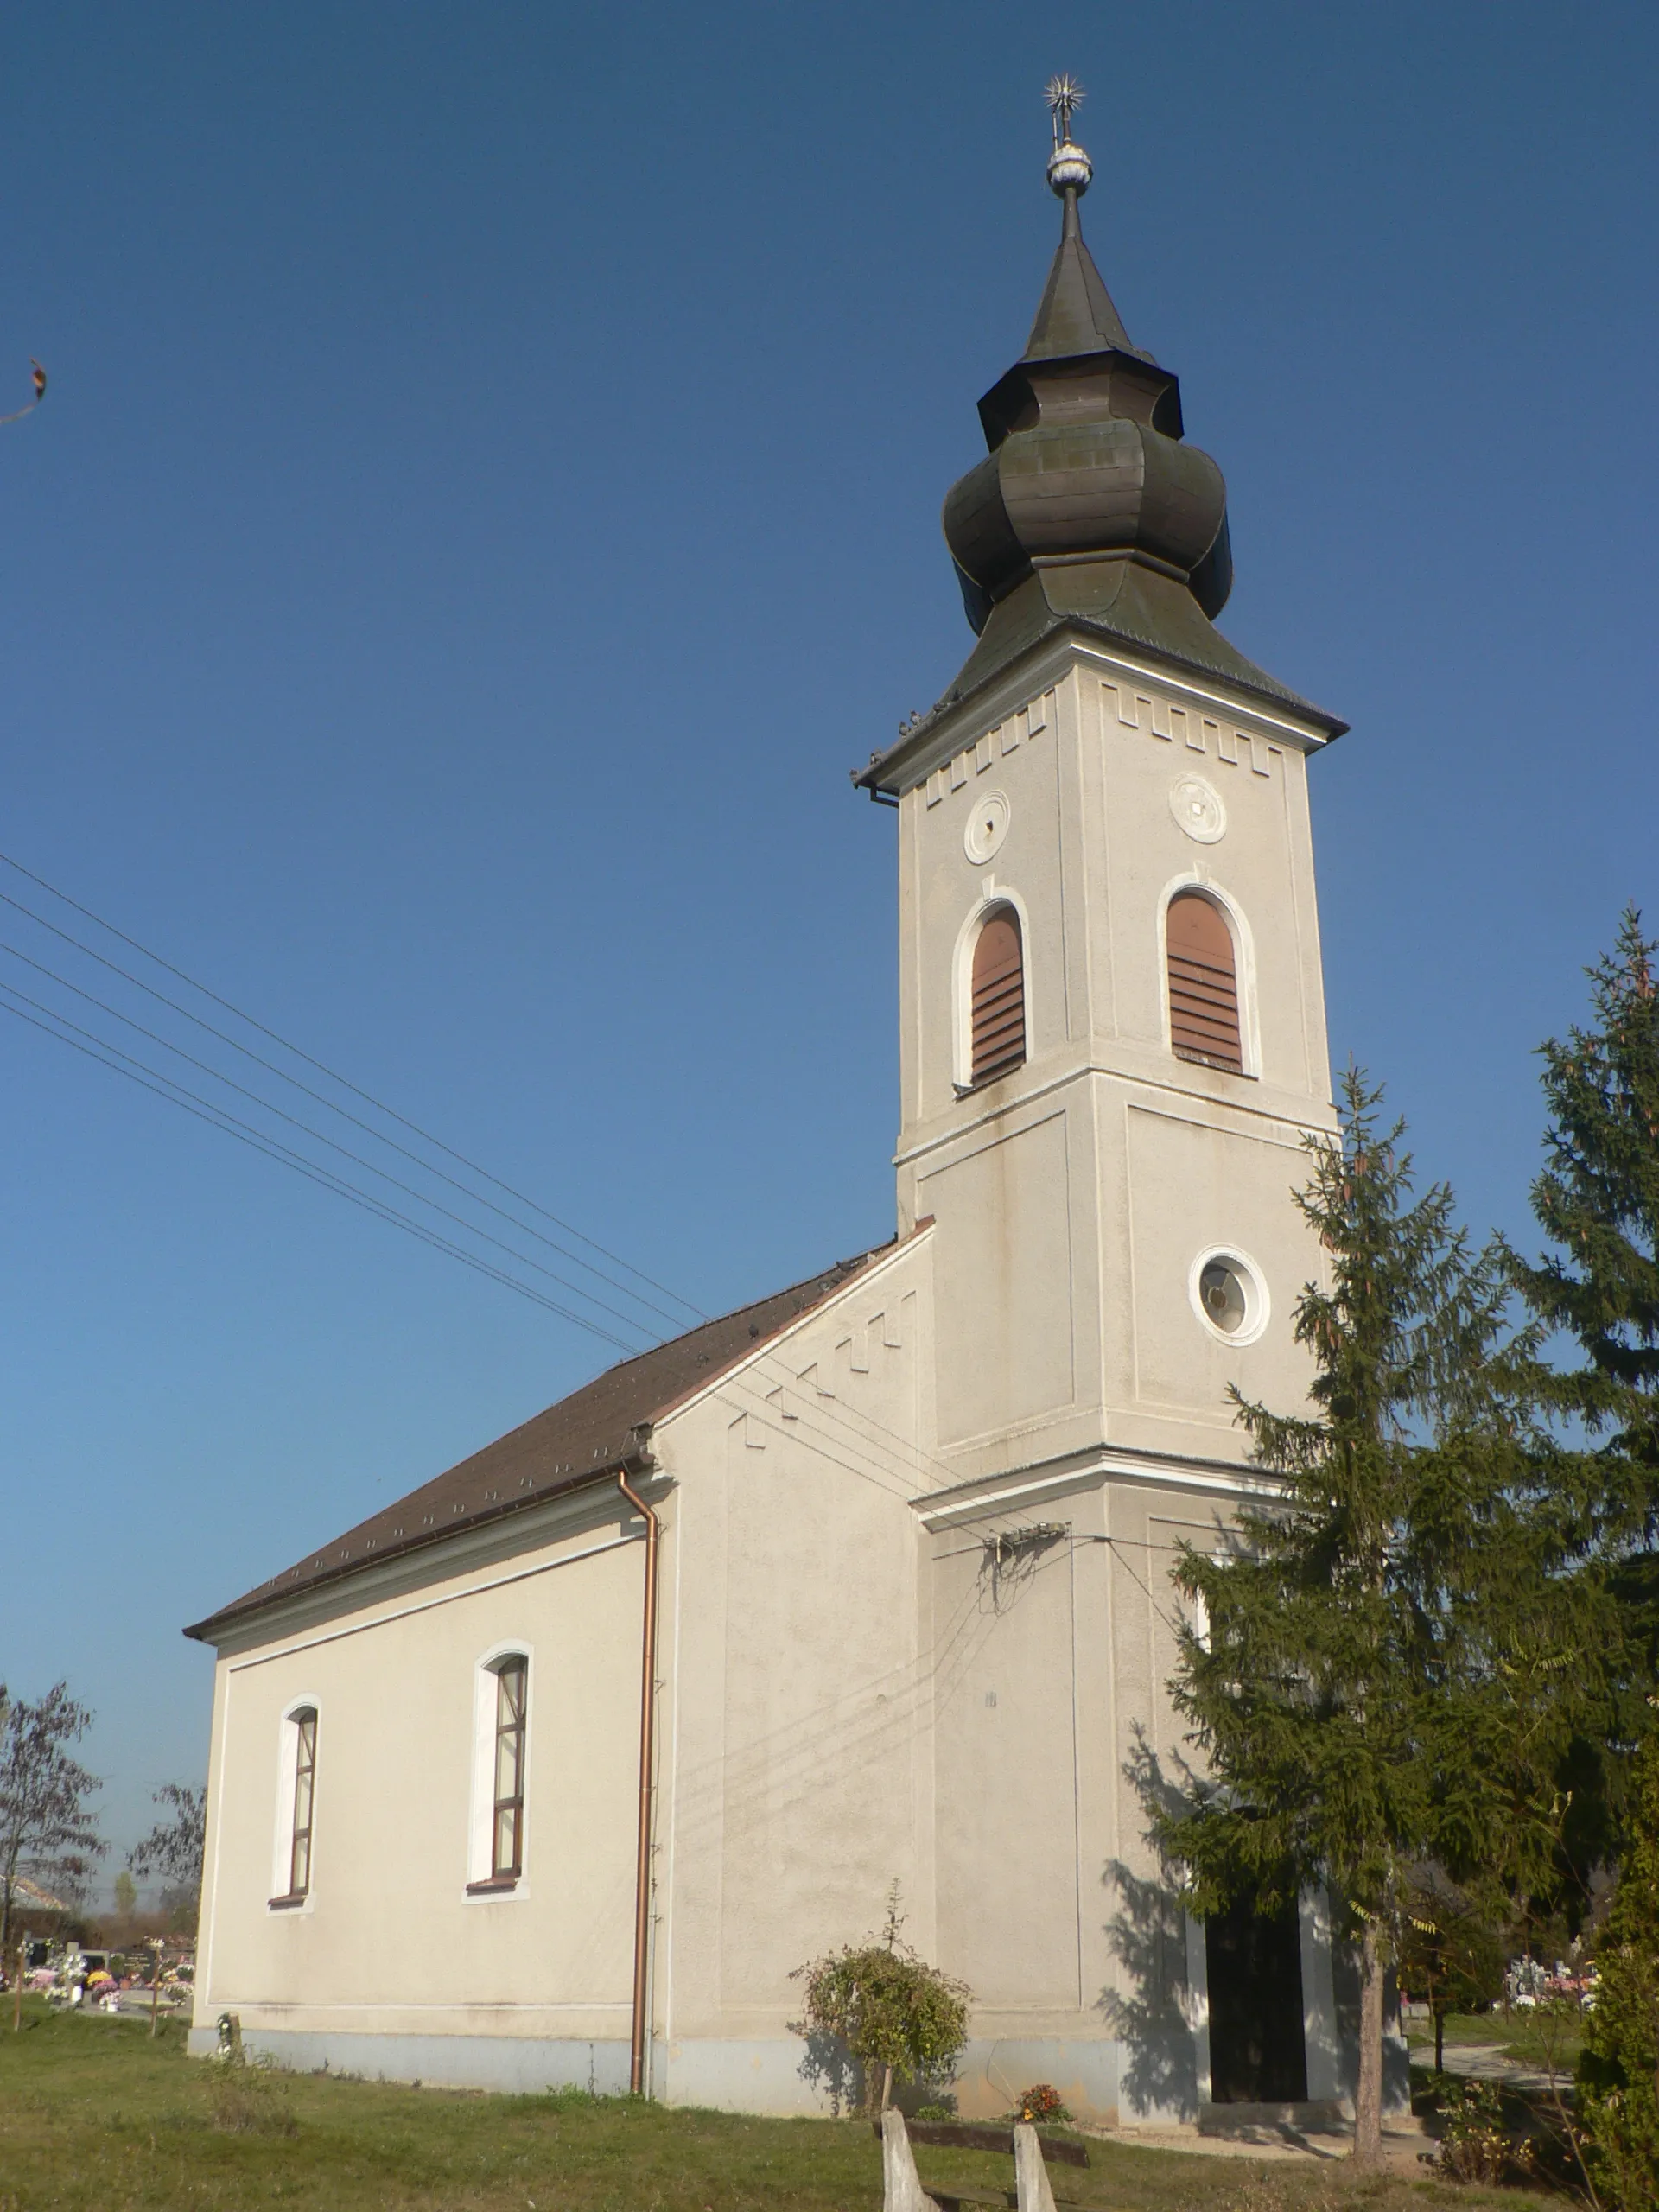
[(1154, 2011), (829, 2068)]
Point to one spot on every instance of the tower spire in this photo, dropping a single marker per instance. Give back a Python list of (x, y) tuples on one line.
[(1090, 512), (1076, 315)]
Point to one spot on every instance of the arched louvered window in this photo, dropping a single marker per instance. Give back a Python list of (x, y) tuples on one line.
[(1202, 983), (999, 997)]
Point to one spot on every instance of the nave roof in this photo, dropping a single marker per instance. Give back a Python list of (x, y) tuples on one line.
[(602, 1428)]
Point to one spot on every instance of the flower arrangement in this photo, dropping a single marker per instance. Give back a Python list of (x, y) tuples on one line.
[(1042, 2101)]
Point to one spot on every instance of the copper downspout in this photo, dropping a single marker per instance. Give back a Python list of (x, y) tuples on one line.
[(647, 1751)]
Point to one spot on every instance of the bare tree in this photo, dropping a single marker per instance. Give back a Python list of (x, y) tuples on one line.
[(174, 1847), (46, 1829)]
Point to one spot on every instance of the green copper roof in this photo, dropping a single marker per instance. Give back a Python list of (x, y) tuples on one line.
[(1091, 513), (1076, 315), (1131, 606)]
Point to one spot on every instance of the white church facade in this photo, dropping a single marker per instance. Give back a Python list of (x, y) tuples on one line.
[(555, 1770)]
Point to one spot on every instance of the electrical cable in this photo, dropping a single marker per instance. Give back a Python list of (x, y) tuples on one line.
[(217, 1117), (379, 1105), (1174, 1627), (294, 1122), (174, 1093), (905, 1444), (911, 1451)]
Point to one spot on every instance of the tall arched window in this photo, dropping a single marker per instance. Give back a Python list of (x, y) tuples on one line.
[(998, 1007), (1202, 983), (501, 1722), (305, 1775), (507, 1825), (296, 1808)]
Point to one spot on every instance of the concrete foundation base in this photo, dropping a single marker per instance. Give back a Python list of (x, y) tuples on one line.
[(521, 2065), (770, 2075)]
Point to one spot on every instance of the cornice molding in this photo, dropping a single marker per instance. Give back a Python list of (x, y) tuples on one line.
[(950, 730)]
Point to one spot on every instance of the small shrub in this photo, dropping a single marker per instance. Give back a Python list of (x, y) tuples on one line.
[(896, 2014), (1475, 2144), (249, 2096), (922, 2112), (1042, 2101)]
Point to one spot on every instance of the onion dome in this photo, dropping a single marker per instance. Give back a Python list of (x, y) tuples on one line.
[(1087, 464), (1089, 510)]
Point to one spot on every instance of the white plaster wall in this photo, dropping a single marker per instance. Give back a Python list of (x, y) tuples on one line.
[(795, 1697), (1072, 1198), (1054, 1736), (831, 1634), (388, 1942), (852, 1691)]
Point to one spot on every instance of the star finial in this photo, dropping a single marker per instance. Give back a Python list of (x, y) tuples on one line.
[(1068, 168), (1065, 95)]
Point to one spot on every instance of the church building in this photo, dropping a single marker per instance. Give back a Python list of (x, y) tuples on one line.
[(555, 1770)]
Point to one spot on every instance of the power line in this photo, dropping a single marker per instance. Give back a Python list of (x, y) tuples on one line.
[(322, 1068), (910, 1452), (192, 1102), (216, 1116), (1112, 1543), (294, 1122), (220, 1117)]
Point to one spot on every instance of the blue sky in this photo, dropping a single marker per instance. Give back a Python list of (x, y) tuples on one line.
[(487, 498)]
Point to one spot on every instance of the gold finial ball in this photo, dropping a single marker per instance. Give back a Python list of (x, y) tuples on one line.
[(1069, 169)]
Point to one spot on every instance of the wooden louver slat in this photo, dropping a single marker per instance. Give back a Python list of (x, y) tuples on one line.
[(1203, 984), (998, 998)]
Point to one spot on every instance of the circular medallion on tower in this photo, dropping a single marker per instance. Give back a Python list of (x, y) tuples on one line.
[(1229, 1295), (986, 826), (1198, 809)]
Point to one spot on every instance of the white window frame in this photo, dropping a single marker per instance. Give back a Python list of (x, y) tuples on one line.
[(480, 1833), (992, 895), (1249, 1031), (1258, 1298), (288, 1767)]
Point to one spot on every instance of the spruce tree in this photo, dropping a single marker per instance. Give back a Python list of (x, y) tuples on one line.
[(1619, 2074), (1380, 1670), (1598, 1202)]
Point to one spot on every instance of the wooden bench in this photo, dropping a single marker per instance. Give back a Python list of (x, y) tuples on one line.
[(973, 2135)]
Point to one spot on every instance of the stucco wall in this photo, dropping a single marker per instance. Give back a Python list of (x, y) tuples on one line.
[(388, 1942), (1074, 1197), (917, 1621), (796, 1691)]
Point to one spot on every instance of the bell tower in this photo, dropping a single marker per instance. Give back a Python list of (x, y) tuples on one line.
[(1113, 1026)]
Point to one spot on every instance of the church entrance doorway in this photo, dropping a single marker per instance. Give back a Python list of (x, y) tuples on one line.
[(1253, 1961)]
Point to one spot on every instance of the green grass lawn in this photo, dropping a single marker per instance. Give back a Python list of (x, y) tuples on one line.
[(1521, 2035), (94, 2117)]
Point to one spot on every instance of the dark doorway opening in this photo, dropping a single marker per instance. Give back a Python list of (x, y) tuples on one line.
[(1257, 2051)]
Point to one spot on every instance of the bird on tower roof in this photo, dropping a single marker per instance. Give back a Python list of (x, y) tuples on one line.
[(1089, 511)]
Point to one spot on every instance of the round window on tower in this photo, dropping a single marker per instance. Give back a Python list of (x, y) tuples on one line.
[(1228, 1296)]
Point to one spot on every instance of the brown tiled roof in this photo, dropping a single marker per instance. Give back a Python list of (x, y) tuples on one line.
[(599, 1429)]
